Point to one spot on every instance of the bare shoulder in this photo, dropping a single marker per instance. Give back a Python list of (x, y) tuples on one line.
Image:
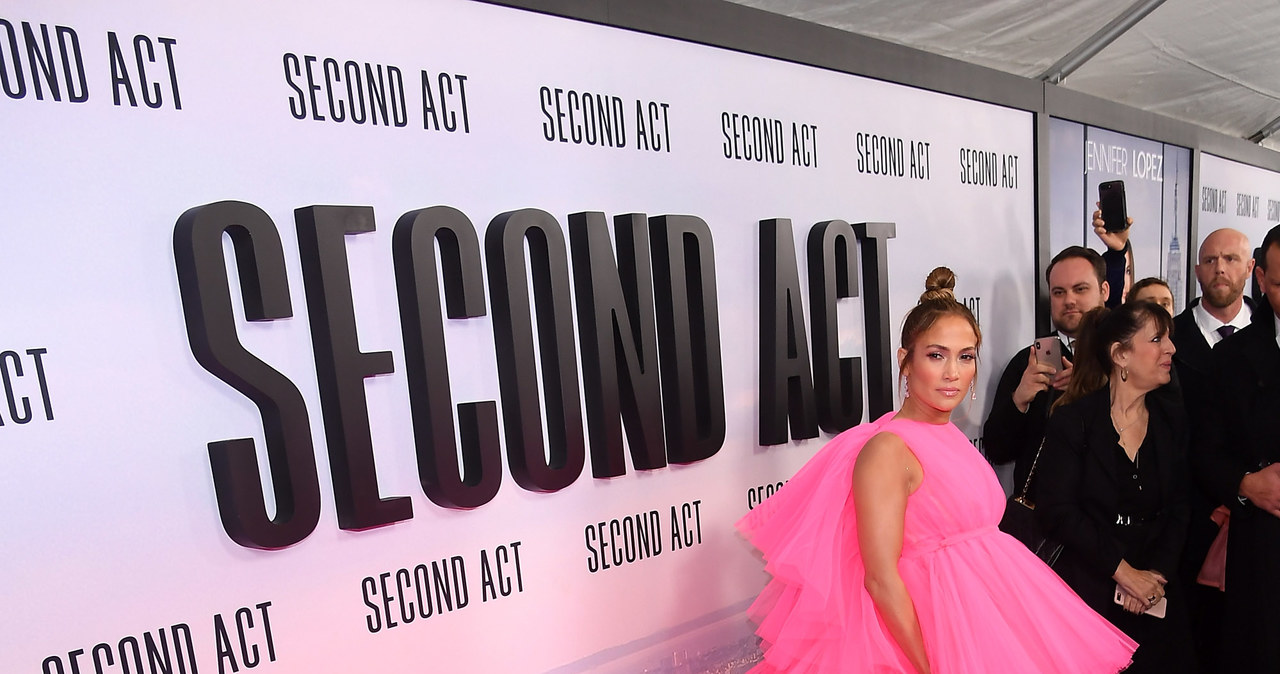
[(884, 451), (883, 460)]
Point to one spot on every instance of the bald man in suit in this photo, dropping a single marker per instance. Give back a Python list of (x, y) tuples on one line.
[(1223, 267), (1238, 462)]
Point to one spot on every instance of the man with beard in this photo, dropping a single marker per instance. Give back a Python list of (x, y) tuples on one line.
[(1077, 279), (1238, 461), (1222, 268)]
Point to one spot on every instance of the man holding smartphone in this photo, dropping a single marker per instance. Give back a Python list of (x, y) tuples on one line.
[(1029, 384)]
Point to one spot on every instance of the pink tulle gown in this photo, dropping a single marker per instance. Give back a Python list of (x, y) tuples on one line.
[(986, 605)]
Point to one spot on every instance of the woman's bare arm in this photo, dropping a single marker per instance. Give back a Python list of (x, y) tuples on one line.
[(884, 476)]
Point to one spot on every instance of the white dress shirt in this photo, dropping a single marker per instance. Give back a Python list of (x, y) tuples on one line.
[(1209, 325), (1069, 342)]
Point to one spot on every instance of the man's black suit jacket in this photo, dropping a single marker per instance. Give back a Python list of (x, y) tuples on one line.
[(1194, 360), (1242, 434), (1010, 435), (1193, 363)]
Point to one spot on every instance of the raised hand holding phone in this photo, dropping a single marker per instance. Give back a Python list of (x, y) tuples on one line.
[(1111, 202), (1049, 351), (1115, 240), (1063, 379), (1038, 375)]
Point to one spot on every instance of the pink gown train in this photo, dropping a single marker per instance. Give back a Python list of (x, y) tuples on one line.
[(986, 605)]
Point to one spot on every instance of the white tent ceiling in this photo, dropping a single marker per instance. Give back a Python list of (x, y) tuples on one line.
[(1214, 63)]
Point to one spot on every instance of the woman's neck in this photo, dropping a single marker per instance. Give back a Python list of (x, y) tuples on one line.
[(919, 412), (1126, 398)]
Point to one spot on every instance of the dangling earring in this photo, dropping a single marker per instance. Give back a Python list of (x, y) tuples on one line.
[(1124, 374), (906, 387), (973, 390)]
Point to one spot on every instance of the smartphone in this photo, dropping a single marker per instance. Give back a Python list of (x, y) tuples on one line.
[(1049, 352), (1111, 201), (1157, 611)]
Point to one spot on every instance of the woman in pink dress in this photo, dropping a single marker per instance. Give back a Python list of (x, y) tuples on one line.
[(884, 550)]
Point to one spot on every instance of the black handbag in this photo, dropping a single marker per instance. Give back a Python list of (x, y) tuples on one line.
[(1020, 521)]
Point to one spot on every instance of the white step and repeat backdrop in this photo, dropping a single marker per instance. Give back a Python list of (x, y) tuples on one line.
[(1238, 196), (159, 150)]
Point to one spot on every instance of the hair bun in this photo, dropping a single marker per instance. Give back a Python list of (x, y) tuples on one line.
[(939, 285)]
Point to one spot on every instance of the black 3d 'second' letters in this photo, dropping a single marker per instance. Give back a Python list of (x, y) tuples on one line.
[(786, 383), (413, 245), (211, 331), (556, 465), (341, 367), (688, 337), (617, 328)]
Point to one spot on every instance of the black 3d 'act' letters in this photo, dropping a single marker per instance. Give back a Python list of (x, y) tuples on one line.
[(211, 331), (874, 239), (833, 275), (786, 383), (786, 390)]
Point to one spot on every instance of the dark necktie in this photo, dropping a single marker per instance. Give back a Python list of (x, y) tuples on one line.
[(1226, 330)]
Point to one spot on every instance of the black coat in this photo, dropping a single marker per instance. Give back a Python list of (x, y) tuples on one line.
[(1010, 435), (1242, 435), (1079, 492), (1194, 354), (1080, 496), (1194, 359), (1193, 364)]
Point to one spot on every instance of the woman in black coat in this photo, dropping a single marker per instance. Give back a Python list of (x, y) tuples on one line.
[(1113, 482)]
